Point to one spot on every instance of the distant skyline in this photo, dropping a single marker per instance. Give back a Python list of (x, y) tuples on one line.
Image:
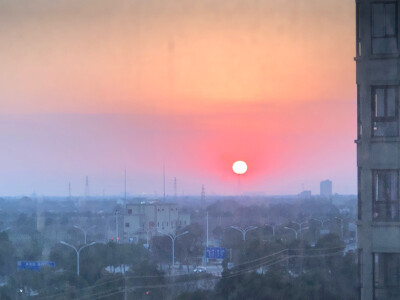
[(91, 88)]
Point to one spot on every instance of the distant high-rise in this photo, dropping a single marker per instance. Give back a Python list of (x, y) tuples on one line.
[(325, 188), (378, 148), (203, 196)]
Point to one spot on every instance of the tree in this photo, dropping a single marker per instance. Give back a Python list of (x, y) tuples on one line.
[(8, 260)]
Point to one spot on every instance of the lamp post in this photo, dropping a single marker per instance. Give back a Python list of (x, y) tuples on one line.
[(300, 225), (321, 221), (173, 237), (244, 230), (84, 231), (294, 230), (78, 251), (273, 226)]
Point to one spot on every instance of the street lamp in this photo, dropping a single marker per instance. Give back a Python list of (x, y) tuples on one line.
[(173, 237), (300, 225), (84, 231), (294, 230), (244, 230), (273, 227), (78, 251), (321, 221)]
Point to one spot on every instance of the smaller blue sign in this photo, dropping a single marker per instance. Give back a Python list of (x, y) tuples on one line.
[(215, 252), (34, 265)]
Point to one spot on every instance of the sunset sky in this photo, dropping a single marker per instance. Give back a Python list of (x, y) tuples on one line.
[(88, 88)]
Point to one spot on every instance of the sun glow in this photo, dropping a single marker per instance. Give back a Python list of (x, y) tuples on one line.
[(239, 167)]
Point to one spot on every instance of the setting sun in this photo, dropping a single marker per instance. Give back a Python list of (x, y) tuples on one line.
[(239, 167)]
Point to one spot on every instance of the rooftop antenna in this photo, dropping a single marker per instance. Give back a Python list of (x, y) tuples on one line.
[(175, 188), (87, 193), (164, 180)]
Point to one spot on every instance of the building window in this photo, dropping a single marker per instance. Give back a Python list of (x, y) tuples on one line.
[(129, 211), (384, 29), (386, 273), (358, 30), (385, 195), (384, 111), (126, 224), (359, 200)]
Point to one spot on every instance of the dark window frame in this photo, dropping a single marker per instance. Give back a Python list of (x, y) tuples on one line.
[(375, 283), (385, 119), (395, 35), (387, 202)]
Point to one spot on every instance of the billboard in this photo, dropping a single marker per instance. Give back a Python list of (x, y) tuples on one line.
[(215, 252), (34, 265)]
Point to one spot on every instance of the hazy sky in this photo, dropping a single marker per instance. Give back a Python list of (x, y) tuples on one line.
[(91, 87)]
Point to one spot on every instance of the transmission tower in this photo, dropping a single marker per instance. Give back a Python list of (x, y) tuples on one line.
[(87, 191)]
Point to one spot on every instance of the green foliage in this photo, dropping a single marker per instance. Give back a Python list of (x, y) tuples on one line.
[(8, 261)]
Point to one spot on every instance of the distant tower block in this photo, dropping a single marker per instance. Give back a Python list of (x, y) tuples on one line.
[(87, 191), (326, 188), (39, 215), (69, 190), (175, 189), (203, 196)]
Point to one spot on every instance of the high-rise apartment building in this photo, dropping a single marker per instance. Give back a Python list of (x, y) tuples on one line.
[(378, 148), (325, 188)]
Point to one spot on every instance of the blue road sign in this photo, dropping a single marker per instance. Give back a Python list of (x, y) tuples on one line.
[(215, 252), (34, 265)]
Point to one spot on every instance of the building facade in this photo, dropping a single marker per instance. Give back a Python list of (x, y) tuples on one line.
[(378, 148), (325, 188), (141, 221)]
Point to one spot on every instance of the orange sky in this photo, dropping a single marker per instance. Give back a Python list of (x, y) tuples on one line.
[(205, 60)]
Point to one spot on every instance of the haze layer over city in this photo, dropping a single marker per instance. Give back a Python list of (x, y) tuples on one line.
[(92, 89), (192, 150)]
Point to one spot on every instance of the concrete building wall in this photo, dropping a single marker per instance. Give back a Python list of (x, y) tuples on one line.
[(378, 148), (151, 219)]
